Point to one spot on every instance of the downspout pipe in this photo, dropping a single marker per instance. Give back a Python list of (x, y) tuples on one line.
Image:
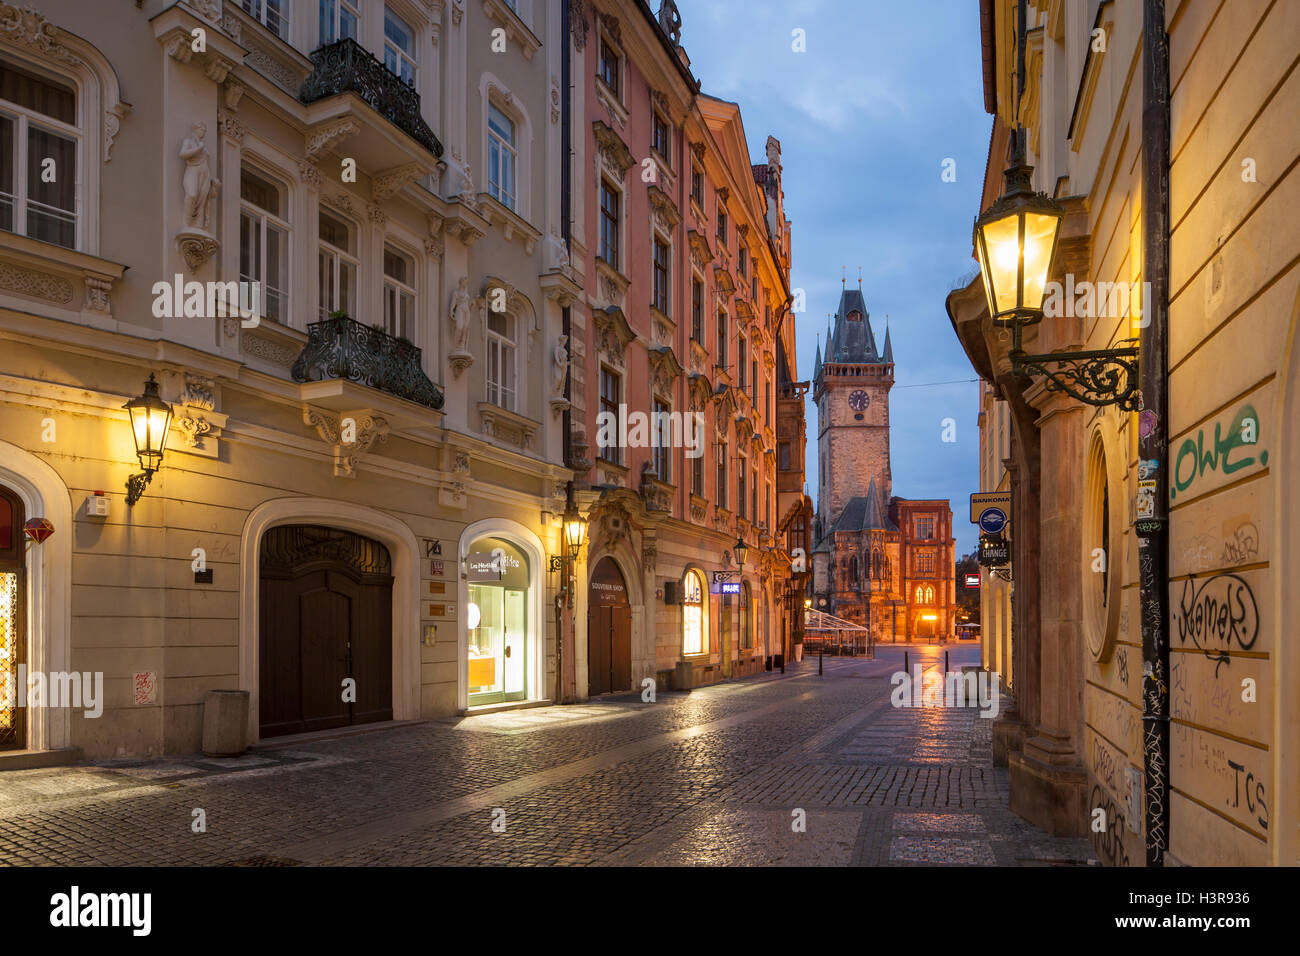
[(1153, 433), (566, 318)]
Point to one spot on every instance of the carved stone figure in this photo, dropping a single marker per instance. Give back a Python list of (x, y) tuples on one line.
[(461, 302), (560, 364), (200, 187)]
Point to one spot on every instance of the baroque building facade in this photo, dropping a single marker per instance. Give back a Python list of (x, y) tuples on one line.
[(371, 451), (882, 562)]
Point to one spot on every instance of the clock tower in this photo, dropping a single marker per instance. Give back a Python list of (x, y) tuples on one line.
[(851, 384)]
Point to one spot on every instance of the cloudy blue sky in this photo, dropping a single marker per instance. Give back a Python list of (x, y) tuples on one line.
[(884, 94)]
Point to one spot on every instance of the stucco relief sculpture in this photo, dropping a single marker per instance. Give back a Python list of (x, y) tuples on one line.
[(196, 242), (461, 304)]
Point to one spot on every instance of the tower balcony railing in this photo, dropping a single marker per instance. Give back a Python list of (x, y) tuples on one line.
[(347, 67), (342, 348)]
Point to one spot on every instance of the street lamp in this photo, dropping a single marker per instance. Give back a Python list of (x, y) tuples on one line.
[(1015, 240), (741, 551), (575, 529), (151, 418)]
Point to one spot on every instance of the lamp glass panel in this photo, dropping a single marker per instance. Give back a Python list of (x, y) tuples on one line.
[(1002, 260), (1040, 240)]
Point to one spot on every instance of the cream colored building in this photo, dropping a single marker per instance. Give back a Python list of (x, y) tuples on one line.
[(995, 590), (1232, 780), (380, 490)]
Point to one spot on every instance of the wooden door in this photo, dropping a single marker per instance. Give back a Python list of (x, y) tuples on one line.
[(620, 632), (599, 647), (326, 618)]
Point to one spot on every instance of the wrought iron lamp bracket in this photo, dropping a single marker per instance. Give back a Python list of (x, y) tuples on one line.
[(1098, 377), (135, 486)]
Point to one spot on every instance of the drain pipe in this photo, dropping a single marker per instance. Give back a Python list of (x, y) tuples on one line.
[(568, 566), (1153, 430)]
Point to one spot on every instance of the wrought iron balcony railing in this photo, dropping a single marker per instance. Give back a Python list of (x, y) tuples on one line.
[(340, 347), (346, 67)]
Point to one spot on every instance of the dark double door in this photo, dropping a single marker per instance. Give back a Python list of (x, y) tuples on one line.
[(326, 617), (609, 632)]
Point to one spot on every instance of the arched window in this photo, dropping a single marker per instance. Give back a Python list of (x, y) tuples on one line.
[(920, 594), (875, 564), (693, 613), (38, 136), (929, 595), (853, 571), (501, 364), (502, 154)]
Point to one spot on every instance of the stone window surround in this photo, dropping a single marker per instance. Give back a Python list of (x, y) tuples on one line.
[(495, 92)]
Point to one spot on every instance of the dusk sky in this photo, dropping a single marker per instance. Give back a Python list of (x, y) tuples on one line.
[(866, 117)]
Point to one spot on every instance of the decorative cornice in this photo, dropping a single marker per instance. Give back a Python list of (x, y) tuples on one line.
[(611, 147)]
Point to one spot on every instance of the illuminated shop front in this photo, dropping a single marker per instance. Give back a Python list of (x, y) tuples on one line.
[(501, 642)]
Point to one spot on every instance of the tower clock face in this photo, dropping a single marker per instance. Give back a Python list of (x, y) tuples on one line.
[(859, 400)]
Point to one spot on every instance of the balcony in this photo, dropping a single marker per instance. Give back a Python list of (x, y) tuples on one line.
[(342, 348), (347, 67)]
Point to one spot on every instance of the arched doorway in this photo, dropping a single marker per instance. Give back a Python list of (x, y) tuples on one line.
[(609, 631), (499, 646), (13, 623), (326, 656)]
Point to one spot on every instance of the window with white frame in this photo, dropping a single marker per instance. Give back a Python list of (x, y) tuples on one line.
[(399, 294), (399, 47), (339, 19), (39, 143), (502, 364), (502, 156), (273, 14), (264, 240), (693, 591), (337, 265)]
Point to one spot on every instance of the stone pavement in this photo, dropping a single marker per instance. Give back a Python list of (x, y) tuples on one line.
[(720, 775)]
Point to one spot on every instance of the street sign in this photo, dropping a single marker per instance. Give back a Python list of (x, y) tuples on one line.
[(989, 499), (731, 587), (992, 520), (972, 580)]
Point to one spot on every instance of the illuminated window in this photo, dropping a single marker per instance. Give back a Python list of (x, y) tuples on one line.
[(501, 349), (264, 241), (693, 613), (399, 294), (337, 263)]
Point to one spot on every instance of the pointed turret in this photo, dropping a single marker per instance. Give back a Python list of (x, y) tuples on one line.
[(889, 348)]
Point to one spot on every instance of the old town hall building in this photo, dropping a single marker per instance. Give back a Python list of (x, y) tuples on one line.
[(882, 562)]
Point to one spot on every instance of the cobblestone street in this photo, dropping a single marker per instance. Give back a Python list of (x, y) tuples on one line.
[(707, 777)]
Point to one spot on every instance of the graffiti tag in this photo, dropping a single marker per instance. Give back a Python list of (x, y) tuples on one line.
[(1194, 460), (1219, 616)]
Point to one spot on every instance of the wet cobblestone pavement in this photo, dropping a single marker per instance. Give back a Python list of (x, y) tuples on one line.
[(791, 769)]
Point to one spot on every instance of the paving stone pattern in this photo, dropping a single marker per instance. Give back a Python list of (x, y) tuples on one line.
[(794, 769)]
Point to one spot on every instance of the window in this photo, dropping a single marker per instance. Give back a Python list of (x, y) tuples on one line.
[(767, 398), (722, 222), (740, 364), (693, 613), (609, 213), (697, 310), (925, 562), (661, 138), (661, 276), (337, 266), (722, 339), (920, 595), (742, 260), (399, 294), (925, 526), (722, 476), (264, 241), (339, 19), (611, 395), (399, 47), (501, 359), (754, 513), (697, 475), (38, 137), (783, 455), (663, 433), (741, 497), (753, 288), (767, 510), (274, 14), (501, 157), (609, 66), (929, 595), (697, 186), (753, 381), (746, 616)]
